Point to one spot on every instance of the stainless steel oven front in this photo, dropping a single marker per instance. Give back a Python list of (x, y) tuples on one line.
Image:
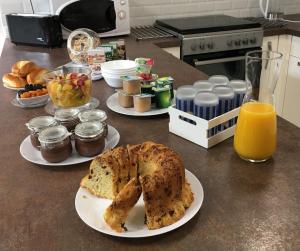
[(221, 53)]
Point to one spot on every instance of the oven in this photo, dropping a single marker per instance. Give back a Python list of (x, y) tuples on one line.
[(228, 63), (106, 17)]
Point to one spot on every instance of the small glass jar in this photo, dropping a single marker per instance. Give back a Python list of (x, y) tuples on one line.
[(67, 117), (55, 144), (89, 138), (95, 115), (36, 125)]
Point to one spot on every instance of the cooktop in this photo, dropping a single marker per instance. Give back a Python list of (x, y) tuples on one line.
[(204, 24)]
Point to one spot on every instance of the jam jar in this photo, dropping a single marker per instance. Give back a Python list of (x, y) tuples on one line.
[(89, 138), (95, 115), (55, 144), (36, 125), (67, 117)]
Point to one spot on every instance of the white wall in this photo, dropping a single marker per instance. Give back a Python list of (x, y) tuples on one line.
[(144, 12)]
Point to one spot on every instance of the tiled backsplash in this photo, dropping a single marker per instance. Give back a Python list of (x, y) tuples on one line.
[(143, 12)]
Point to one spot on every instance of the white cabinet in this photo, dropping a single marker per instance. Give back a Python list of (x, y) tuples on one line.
[(175, 51), (291, 107)]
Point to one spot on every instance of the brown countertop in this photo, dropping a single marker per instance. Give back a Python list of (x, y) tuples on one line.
[(290, 29), (246, 206)]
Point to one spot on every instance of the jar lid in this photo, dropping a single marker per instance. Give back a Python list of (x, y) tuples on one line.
[(223, 91), (89, 129), (206, 99), (239, 86), (53, 134), (187, 92), (219, 80), (41, 122), (66, 114), (92, 115), (203, 85)]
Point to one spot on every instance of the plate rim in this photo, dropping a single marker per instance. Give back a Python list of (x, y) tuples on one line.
[(189, 175), (142, 114), (60, 163)]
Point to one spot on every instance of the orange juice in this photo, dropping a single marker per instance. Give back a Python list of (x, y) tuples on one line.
[(255, 133)]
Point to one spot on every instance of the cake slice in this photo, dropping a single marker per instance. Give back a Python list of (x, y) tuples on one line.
[(116, 214), (133, 151), (102, 179)]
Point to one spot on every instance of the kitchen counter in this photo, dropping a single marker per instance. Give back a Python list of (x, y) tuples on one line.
[(246, 206), (290, 29)]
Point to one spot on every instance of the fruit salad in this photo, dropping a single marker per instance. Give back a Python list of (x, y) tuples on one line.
[(70, 90)]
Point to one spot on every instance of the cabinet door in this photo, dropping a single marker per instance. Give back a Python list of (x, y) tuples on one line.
[(291, 106), (270, 43), (175, 51), (284, 46)]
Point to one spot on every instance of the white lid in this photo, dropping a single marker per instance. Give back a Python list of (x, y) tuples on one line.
[(203, 85), (186, 92), (206, 99), (92, 115), (66, 114), (89, 129), (53, 134), (41, 122), (223, 91), (219, 79), (239, 86)]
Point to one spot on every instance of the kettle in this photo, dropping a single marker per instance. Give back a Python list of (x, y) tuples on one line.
[(271, 10)]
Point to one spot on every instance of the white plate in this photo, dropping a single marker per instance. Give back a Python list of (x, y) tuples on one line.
[(113, 104), (31, 154), (16, 103), (91, 208), (13, 88)]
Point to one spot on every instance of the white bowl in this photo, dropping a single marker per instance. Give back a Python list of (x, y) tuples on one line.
[(33, 100), (118, 65), (120, 72), (113, 82), (113, 75)]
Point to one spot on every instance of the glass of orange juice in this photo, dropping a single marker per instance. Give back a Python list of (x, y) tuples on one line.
[(256, 129)]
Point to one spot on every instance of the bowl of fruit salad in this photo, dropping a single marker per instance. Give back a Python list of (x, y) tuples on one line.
[(69, 86), (33, 94)]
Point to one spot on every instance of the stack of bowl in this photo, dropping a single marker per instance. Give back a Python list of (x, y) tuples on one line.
[(112, 71)]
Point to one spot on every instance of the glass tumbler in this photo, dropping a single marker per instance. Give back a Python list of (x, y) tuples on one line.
[(256, 129)]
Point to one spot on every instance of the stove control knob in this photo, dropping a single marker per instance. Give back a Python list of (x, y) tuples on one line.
[(229, 43), (201, 47), (210, 45), (193, 47), (245, 41), (253, 40), (237, 42)]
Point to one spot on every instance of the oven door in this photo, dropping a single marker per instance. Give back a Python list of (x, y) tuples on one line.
[(99, 16), (229, 63)]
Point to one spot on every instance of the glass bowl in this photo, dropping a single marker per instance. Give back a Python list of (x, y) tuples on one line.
[(69, 86)]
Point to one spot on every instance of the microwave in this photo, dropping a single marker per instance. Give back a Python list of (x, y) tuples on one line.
[(106, 17)]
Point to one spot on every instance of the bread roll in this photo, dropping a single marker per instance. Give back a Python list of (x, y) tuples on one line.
[(36, 76), (13, 80), (22, 68)]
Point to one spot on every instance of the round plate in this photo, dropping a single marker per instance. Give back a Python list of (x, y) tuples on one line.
[(91, 208), (33, 155), (16, 103), (13, 88), (113, 104), (94, 103)]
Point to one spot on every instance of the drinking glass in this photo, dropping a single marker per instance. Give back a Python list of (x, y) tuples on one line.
[(256, 129)]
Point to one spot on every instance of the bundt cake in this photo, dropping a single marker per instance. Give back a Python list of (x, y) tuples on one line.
[(116, 214), (161, 175)]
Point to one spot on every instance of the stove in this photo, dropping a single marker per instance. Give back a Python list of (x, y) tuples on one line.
[(215, 44)]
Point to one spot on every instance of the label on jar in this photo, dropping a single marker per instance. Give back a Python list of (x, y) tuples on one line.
[(120, 51), (109, 50), (95, 58)]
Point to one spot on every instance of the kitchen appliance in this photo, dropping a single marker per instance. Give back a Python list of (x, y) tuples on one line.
[(107, 18), (215, 44), (34, 29), (271, 10), (148, 32)]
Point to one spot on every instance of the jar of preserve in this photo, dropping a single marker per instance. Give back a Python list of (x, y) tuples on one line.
[(36, 125), (55, 144), (67, 117), (95, 115), (89, 138)]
